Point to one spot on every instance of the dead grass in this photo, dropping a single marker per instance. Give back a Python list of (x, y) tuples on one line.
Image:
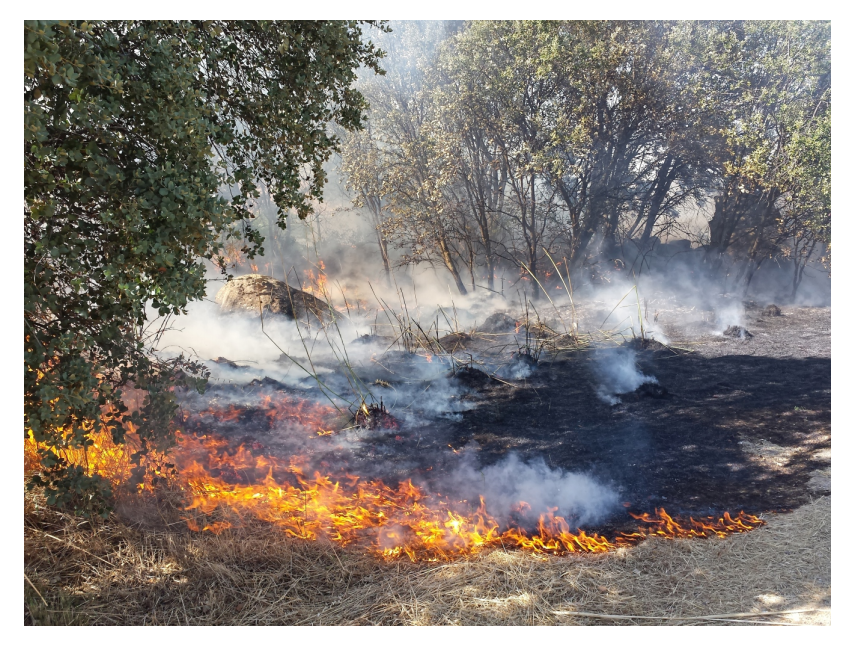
[(115, 574)]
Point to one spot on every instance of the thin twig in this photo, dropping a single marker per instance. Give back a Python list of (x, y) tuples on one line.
[(27, 579)]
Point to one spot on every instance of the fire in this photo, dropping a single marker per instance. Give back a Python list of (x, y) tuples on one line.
[(227, 487), (667, 527), (277, 408), (394, 521), (232, 255), (317, 284), (318, 281), (104, 457)]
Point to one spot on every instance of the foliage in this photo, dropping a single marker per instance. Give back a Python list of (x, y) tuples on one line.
[(510, 137), (771, 81), (132, 131)]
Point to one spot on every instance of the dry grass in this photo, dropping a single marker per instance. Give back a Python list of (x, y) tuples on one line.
[(115, 574)]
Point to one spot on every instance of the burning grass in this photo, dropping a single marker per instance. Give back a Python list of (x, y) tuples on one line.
[(276, 543), (118, 574), (224, 488)]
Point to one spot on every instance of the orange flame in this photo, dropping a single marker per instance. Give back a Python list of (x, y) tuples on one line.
[(225, 488), (278, 408), (395, 521), (318, 282), (232, 255)]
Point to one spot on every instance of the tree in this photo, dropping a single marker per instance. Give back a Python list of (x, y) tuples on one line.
[(806, 211), (774, 78), (132, 129), (506, 138), (563, 127), (400, 160), (363, 169)]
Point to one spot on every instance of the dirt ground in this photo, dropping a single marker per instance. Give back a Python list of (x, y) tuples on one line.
[(744, 425)]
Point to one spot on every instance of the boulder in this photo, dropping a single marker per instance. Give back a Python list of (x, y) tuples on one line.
[(254, 292)]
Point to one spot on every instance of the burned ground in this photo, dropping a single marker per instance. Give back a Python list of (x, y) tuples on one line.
[(744, 426)]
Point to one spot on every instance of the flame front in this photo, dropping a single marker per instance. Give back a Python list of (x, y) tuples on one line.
[(227, 487)]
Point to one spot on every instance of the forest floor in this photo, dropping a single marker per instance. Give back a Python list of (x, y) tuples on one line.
[(744, 425)]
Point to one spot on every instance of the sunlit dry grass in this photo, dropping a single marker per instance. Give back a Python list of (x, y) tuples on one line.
[(113, 573)]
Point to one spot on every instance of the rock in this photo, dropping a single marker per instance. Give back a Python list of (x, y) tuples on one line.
[(252, 292)]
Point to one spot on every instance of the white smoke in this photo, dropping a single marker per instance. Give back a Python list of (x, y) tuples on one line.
[(518, 491), (415, 387), (617, 373), (729, 315)]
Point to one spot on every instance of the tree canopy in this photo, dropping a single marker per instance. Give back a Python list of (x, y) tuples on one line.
[(145, 143), (580, 137)]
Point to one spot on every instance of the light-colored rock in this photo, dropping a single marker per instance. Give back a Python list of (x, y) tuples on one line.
[(254, 292)]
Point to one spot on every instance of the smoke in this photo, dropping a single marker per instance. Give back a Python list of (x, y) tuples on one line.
[(729, 315), (577, 497), (239, 349), (518, 369), (617, 373)]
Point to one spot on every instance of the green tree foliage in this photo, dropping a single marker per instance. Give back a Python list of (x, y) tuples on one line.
[(145, 143), (397, 170), (580, 136), (769, 87)]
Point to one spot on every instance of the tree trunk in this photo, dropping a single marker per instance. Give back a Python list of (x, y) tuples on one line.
[(663, 182), (382, 246), (450, 265)]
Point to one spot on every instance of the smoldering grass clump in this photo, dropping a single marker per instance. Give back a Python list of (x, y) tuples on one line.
[(617, 373)]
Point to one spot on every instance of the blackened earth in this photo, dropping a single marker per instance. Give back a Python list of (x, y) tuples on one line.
[(743, 425), (730, 424)]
